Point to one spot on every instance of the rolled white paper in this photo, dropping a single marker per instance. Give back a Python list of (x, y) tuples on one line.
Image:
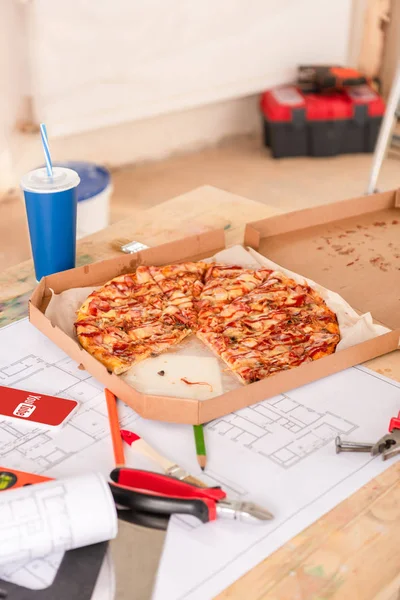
[(54, 516)]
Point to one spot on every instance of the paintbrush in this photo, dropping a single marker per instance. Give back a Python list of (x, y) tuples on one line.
[(169, 467)]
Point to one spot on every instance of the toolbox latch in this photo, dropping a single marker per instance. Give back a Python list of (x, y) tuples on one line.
[(298, 117), (360, 113)]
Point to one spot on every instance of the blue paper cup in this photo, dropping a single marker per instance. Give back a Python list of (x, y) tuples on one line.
[(51, 205)]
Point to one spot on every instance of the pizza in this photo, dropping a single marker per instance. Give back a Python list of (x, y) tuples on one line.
[(128, 320), (182, 285), (258, 321), (222, 285), (277, 326)]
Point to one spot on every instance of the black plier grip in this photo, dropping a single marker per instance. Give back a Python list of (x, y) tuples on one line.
[(145, 496)]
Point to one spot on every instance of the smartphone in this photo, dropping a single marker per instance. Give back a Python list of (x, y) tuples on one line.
[(35, 408)]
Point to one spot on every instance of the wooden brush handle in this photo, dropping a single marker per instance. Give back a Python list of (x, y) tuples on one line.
[(194, 481)]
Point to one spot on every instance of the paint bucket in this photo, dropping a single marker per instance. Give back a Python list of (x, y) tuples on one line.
[(94, 192)]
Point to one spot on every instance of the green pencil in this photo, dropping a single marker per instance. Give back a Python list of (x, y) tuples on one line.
[(200, 445)]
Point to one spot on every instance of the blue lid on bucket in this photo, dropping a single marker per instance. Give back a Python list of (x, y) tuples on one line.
[(94, 178)]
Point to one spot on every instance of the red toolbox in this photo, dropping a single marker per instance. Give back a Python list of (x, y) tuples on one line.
[(298, 124), (368, 109)]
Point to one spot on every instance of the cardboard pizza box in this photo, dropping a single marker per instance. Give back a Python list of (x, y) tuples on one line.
[(351, 247), (305, 241)]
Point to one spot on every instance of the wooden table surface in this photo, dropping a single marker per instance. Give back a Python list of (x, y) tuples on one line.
[(350, 553)]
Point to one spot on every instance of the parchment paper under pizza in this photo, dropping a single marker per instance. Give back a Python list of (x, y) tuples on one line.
[(167, 320)]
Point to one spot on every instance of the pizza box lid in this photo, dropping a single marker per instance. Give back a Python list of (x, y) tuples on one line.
[(351, 247)]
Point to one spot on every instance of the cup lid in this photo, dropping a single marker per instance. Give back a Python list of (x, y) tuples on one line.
[(38, 181)]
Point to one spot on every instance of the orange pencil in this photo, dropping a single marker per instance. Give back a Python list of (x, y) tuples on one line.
[(117, 442)]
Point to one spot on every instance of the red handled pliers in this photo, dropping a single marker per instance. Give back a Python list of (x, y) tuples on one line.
[(149, 499)]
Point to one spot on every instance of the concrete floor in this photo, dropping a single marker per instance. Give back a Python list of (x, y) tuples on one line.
[(240, 165)]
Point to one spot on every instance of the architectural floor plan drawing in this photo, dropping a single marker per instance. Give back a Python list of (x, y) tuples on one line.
[(39, 450), (35, 574), (23, 524), (55, 516), (297, 486), (281, 429), (279, 453), (39, 522)]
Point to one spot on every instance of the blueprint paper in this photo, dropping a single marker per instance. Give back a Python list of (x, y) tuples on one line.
[(40, 573), (54, 516), (264, 453), (34, 574), (281, 454), (30, 361)]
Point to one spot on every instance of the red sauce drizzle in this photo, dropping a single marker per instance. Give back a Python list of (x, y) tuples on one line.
[(196, 382)]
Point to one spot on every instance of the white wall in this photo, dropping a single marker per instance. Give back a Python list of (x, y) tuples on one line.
[(14, 80), (131, 80), (96, 64), (146, 139)]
